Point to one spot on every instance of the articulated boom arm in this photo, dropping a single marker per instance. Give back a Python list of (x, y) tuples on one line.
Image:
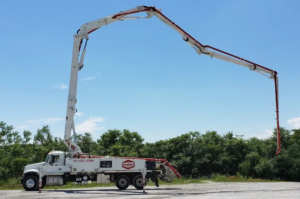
[(87, 28)]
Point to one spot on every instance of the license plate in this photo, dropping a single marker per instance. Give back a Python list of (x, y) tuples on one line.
[(78, 179)]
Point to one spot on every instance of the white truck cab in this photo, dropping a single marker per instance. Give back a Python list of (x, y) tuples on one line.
[(31, 171)]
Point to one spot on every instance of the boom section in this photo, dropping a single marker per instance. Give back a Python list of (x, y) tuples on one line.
[(85, 29)]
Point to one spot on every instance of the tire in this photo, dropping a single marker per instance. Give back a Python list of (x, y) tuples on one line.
[(30, 183), (122, 182), (138, 182)]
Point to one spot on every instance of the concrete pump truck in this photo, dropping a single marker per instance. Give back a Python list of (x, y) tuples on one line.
[(61, 167)]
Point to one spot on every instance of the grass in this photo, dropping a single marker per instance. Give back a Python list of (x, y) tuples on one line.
[(70, 185), (14, 184)]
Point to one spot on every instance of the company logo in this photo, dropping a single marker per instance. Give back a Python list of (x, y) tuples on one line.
[(128, 164)]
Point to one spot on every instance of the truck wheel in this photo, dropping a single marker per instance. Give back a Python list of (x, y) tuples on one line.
[(30, 183), (122, 182), (138, 182)]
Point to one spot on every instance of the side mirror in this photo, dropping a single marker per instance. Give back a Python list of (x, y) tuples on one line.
[(51, 162)]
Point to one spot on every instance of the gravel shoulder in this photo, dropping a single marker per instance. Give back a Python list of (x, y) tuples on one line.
[(214, 190)]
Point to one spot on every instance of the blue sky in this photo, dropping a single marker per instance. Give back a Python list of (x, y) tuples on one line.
[(140, 75)]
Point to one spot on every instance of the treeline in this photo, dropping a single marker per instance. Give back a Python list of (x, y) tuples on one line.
[(195, 154)]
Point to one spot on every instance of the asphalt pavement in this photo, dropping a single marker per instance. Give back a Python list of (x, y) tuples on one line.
[(212, 190)]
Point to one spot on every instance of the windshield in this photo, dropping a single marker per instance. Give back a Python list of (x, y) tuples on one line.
[(47, 158)]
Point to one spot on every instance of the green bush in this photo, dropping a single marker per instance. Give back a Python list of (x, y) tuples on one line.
[(219, 178), (265, 169)]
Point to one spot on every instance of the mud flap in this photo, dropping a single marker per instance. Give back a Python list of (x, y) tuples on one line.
[(156, 183)]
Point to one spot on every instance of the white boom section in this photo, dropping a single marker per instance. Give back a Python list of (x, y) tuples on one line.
[(75, 67), (87, 28)]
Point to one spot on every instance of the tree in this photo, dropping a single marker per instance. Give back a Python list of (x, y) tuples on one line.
[(13, 151), (247, 167), (107, 140), (86, 143), (235, 150), (120, 143)]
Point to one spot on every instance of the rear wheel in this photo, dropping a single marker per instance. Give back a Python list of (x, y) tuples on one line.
[(30, 183), (122, 182), (138, 182)]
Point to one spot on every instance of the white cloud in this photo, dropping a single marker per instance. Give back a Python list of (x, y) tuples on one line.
[(90, 125), (79, 113), (53, 120), (294, 122), (62, 86), (35, 121), (268, 133), (21, 127), (50, 120), (88, 78), (59, 86)]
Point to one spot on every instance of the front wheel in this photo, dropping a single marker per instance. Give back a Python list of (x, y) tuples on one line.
[(30, 183), (138, 182), (122, 182)]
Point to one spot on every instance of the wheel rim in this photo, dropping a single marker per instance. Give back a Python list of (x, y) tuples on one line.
[(30, 183), (139, 182), (122, 182)]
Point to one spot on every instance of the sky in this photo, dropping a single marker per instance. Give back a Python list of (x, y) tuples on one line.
[(140, 75)]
